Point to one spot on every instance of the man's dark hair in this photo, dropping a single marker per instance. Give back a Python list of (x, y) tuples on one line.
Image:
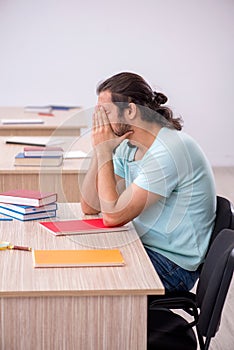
[(130, 87)]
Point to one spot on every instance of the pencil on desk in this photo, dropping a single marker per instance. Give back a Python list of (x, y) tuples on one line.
[(17, 247)]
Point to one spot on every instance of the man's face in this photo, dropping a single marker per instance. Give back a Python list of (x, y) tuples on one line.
[(118, 122)]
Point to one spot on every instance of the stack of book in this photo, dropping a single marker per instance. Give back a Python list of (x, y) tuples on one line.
[(40, 156), (28, 205)]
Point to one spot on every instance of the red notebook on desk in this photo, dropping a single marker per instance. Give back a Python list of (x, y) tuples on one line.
[(75, 227)]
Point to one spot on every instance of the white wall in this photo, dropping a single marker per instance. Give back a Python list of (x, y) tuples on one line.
[(57, 51)]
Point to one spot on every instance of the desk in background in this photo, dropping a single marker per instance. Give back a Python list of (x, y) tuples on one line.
[(66, 123), (65, 180), (97, 308)]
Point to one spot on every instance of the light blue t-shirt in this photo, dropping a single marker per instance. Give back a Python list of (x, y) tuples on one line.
[(179, 225)]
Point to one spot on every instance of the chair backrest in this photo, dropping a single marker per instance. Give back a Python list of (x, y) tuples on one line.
[(224, 217), (214, 282)]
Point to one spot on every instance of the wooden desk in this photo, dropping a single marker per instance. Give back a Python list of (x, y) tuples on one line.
[(66, 180), (67, 123), (74, 308)]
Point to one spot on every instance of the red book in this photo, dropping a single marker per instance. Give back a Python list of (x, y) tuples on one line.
[(27, 197), (35, 151), (75, 227)]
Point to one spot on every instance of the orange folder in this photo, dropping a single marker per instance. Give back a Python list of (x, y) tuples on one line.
[(77, 258)]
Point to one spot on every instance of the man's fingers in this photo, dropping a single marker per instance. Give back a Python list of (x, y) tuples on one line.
[(94, 121), (103, 116), (100, 117)]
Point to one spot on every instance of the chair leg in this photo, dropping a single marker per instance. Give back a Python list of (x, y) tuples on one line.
[(204, 345), (207, 343), (201, 340)]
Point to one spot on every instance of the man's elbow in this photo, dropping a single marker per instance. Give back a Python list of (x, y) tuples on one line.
[(113, 220), (87, 209)]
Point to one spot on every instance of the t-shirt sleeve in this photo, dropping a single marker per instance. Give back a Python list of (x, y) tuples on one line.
[(158, 173)]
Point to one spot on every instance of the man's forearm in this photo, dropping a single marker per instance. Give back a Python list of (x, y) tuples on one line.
[(89, 195), (111, 208), (107, 188)]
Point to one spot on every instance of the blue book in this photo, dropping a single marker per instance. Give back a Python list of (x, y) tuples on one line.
[(28, 217), (27, 209), (63, 108), (21, 160)]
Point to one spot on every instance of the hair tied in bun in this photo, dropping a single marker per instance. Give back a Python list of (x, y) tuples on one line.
[(159, 98)]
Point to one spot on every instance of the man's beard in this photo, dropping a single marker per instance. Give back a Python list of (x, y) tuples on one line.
[(121, 127)]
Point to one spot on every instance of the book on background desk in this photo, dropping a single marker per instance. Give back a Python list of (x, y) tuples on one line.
[(28, 209), (34, 141), (63, 108), (49, 108), (36, 151), (76, 227), (38, 109), (28, 197), (75, 155), (21, 121), (39, 161), (27, 217), (77, 258)]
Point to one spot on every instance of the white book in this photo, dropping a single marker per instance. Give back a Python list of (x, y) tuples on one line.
[(22, 121), (38, 109), (74, 154)]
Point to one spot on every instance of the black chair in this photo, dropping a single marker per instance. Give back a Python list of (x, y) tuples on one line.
[(168, 330), (224, 217)]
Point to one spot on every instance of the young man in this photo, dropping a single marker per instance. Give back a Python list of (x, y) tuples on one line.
[(145, 170)]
